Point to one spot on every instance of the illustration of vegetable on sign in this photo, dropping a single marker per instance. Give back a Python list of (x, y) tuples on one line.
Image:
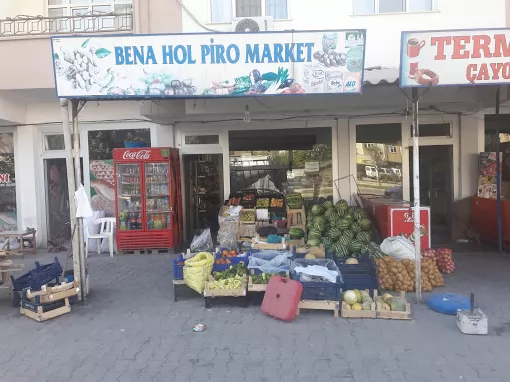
[(81, 67)]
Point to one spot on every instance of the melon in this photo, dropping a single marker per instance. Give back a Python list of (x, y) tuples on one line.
[(397, 304), (313, 242), (365, 299), (358, 295), (350, 297), (346, 307), (386, 296), (310, 256), (366, 306), (316, 210), (352, 261), (357, 306)]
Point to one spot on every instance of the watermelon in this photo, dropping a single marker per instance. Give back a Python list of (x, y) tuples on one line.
[(327, 242), (294, 200), (350, 234), (344, 224), (359, 214), (296, 233), (330, 214), (356, 246), (317, 210), (342, 250), (356, 227), (315, 234), (345, 240), (365, 223), (363, 236), (342, 205), (334, 233), (328, 204)]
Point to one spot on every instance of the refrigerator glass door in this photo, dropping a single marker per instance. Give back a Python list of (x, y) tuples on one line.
[(129, 197), (157, 196)]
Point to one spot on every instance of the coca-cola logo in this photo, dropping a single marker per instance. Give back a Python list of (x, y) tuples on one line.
[(137, 155)]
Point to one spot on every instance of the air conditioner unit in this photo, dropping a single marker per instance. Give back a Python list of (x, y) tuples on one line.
[(252, 24)]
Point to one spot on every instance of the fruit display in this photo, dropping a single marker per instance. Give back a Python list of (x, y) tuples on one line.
[(296, 233), (357, 300), (262, 203), (429, 254), (235, 271), (444, 260), (234, 282), (264, 278), (294, 200), (276, 203), (400, 275), (229, 253), (247, 216), (387, 302), (234, 201), (345, 231)]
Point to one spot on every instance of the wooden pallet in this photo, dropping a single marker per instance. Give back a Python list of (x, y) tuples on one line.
[(42, 313), (319, 305), (391, 315), (146, 251), (348, 313)]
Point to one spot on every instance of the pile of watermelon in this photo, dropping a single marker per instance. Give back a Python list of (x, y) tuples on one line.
[(345, 231)]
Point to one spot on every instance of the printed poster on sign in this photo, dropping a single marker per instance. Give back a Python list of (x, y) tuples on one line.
[(487, 179), (455, 57), (210, 64)]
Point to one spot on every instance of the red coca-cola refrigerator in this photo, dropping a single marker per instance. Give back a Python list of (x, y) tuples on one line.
[(148, 198)]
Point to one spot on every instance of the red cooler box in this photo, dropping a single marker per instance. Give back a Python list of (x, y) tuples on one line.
[(282, 298)]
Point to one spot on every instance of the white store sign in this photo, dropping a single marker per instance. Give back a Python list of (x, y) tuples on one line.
[(209, 64)]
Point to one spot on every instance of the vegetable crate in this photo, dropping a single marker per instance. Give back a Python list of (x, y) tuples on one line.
[(217, 267), (252, 287), (393, 315), (319, 290), (239, 293), (365, 265), (256, 244), (319, 305), (349, 313), (43, 312), (246, 232), (357, 281), (247, 216)]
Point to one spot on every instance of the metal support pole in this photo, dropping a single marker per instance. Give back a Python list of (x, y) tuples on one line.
[(416, 185), (498, 176), (71, 185), (77, 173)]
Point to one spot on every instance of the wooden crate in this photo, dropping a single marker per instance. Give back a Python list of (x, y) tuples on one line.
[(40, 313), (248, 221), (51, 294), (296, 218), (347, 313), (333, 306), (258, 287), (258, 245), (213, 293), (246, 232), (390, 315)]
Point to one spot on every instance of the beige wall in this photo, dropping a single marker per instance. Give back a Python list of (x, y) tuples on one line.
[(27, 60)]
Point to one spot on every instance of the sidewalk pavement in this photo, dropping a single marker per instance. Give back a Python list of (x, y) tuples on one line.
[(132, 330)]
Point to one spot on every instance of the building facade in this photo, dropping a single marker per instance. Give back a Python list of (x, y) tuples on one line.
[(30, 116)]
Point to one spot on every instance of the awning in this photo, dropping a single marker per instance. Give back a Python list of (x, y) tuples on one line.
[(378, 75)]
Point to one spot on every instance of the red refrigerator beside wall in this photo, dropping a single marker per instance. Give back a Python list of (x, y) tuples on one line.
[(148, 198)]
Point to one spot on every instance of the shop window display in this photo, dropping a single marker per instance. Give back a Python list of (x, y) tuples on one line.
[(8, 208), (379, 160), (101, 144)]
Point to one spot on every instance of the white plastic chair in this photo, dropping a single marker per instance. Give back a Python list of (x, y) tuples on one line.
[(106, 230)]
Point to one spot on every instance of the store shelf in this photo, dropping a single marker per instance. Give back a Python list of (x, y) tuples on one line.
[(156, 195), (158, 211)]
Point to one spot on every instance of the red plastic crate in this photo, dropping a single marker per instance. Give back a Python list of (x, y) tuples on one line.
[(282, 298)]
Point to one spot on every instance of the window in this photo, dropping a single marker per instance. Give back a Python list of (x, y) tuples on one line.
[(61, 8), (369, 145), (392, 149), (222, 11), (370, 7), (54, 142)]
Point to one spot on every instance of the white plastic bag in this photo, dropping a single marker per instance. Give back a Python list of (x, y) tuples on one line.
[(398, 247)]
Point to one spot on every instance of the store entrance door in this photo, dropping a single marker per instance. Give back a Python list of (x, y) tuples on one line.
[(57, 202), (436, 188), (203, 190)]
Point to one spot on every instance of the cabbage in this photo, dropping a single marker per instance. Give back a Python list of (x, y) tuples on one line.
[(350, 297)]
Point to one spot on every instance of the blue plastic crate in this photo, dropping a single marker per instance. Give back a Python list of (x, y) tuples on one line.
[(36, 278), (319, 290), (178, 269), (361, 282), (233, 261)]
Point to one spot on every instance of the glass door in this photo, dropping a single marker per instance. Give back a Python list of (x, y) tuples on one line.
[(157, 196), (129, 197)]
